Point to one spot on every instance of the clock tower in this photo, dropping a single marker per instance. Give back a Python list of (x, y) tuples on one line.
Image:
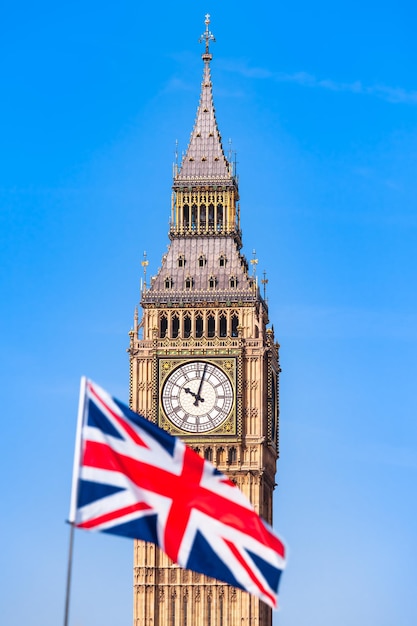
[(204, 366)]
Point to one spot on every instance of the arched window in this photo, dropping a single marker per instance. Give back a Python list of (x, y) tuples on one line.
[(222, 260), (184, 609), (173, 597), (211, 216), (232, 456), (175, 326), (181, 260), (223, 325), (211, 325), (201, 260), (208, 454), (199, 325), (186, 214), (163, 326), (221, 611), (188, 282), (220, 456), (203, 217), (194, 217), (235, 324), (209, 611), (212, 282), (219, 217), (168, 282), (187, 326), (233, 282)]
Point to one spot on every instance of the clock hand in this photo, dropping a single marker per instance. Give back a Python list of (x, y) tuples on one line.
[(188, 390), (197, 396)]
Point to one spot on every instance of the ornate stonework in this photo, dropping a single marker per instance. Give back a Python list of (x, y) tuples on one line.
[(204, 310)]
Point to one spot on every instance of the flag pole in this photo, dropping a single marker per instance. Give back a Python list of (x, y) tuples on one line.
[(69, 570), (74, 490)]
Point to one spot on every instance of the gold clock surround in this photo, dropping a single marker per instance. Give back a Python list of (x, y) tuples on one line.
[(227, 365)]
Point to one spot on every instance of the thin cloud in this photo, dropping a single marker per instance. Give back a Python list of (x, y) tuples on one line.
[(178, 84), (388, 454), (348, 322), (396, 95)]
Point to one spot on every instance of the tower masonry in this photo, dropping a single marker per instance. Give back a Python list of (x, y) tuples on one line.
[(204, 366)]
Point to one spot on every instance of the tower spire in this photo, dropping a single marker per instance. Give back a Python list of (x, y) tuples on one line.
[(205, 188), (204, 159)]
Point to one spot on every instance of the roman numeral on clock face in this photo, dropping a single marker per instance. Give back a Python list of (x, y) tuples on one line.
[(197, 396)]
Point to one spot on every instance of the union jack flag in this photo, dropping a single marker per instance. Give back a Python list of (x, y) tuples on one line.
[(133, 479)]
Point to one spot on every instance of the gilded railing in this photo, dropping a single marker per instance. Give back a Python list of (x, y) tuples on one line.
[(182, 298)]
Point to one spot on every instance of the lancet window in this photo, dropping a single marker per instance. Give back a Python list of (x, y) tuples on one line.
[(194, 217), (187, 326), (223, 325), (184, 610), (235, 324), (211, 325), (233, 282), (212, 282), (209, 611), (232, 455), (219, 217), (201, 260), (222, 260), (188, 282), (199, 325), (168, 282), (220, 456), (173, 597), (221, 610), (163, 325), (181, 260), (175, 326), (186, 214), (211, 216), (203, 218)]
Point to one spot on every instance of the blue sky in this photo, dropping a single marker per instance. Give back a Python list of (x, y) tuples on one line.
[(320, 102)]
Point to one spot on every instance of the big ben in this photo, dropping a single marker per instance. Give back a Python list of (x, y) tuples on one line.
[(204, 366)]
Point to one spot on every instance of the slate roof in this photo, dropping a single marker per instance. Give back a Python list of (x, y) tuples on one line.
[(210, 250), (204, 158)]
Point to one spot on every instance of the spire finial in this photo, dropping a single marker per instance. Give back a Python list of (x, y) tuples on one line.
[(207, 36)]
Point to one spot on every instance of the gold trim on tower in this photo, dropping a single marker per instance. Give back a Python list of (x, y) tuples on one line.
[(189, 378)]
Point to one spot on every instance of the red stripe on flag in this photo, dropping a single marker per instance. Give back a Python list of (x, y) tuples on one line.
[(108, 517), (125, 425), (249, 571), (180, 511), (186, 487)]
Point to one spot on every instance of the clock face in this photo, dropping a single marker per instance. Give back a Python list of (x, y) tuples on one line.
[(197, 397)]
